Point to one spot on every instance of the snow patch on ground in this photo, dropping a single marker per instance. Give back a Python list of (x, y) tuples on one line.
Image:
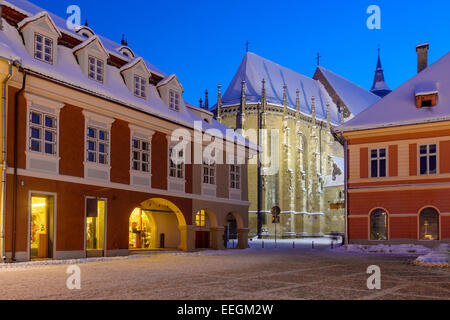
[(438, 257), (43, 263), (401, 249)]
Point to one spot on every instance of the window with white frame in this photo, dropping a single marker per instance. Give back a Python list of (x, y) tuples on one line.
[(141, 155), (378, 161), (176, 165), (428, 159), (140, 87), (174, 102), (43, 133), (235, 177), (97, 145), (96, 69), (209, 172), (43, 48)]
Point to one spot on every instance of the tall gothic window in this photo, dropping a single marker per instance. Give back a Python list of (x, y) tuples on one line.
[(429, 224), (378, 225)]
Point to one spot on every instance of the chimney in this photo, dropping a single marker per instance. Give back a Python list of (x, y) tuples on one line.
[(422, 57)]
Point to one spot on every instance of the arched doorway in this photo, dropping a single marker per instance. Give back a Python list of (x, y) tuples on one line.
[(429, 224), (233, 223), (204, 221), (142, 233), (157, 224), (379, 225)]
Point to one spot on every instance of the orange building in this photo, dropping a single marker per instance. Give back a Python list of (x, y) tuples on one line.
[(87, 167), (398, 161)]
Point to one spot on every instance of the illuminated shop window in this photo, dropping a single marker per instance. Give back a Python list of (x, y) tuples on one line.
[(141, 231), (95, 224), (43, 133), (200, 219), (378, 225), (429, 224)]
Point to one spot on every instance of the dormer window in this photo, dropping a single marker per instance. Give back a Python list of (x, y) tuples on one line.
[(426, 95), (96, 69), (140, 87), (174, 100), (43, 48)]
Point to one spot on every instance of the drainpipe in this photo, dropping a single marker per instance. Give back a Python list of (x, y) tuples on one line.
[(346, 190), (16, 156), (4, 163)]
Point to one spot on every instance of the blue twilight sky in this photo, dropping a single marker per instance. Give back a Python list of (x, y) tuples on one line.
[(203, 41)]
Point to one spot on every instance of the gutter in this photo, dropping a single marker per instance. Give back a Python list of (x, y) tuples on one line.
[(346, 238), (4, 163), (16, 156)]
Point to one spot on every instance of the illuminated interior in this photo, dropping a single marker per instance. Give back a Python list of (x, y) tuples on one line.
[(95, 228), (200, 219), (141, 230), (429, 224), (378, 225), (41, 227)]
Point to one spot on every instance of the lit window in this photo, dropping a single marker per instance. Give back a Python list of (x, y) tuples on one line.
[(378, 163), (174, 101), (378, 225), (429, 224), (43, 133), (235, 177), (96, 69), (140, 87), (43, 48), (176, 168), (97, 145), (141, 155), (200, 219), (428, 159), (209, 172)]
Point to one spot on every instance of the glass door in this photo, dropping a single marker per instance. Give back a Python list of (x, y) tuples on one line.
[(95, 224), (41, 227)]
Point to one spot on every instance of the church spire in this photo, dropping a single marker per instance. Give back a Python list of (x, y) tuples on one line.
[(241, 113), (206, 100), (379, 86)]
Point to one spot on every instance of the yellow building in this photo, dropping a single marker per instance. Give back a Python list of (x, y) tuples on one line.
[(303, 170)]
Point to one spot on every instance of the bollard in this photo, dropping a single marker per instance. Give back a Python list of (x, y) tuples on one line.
[(313, 244), (293, 244), (233, 245), (263, 244), (332, 244)]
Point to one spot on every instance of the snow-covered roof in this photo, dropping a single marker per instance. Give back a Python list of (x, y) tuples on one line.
[(399, 107), (29, 9), (38, 16), (254, 69), (425, 88), (356, 98), (68, 72), (87, 42)]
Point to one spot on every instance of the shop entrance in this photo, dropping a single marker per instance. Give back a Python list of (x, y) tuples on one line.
[(42, 226), (142, 230), (95, 227)]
